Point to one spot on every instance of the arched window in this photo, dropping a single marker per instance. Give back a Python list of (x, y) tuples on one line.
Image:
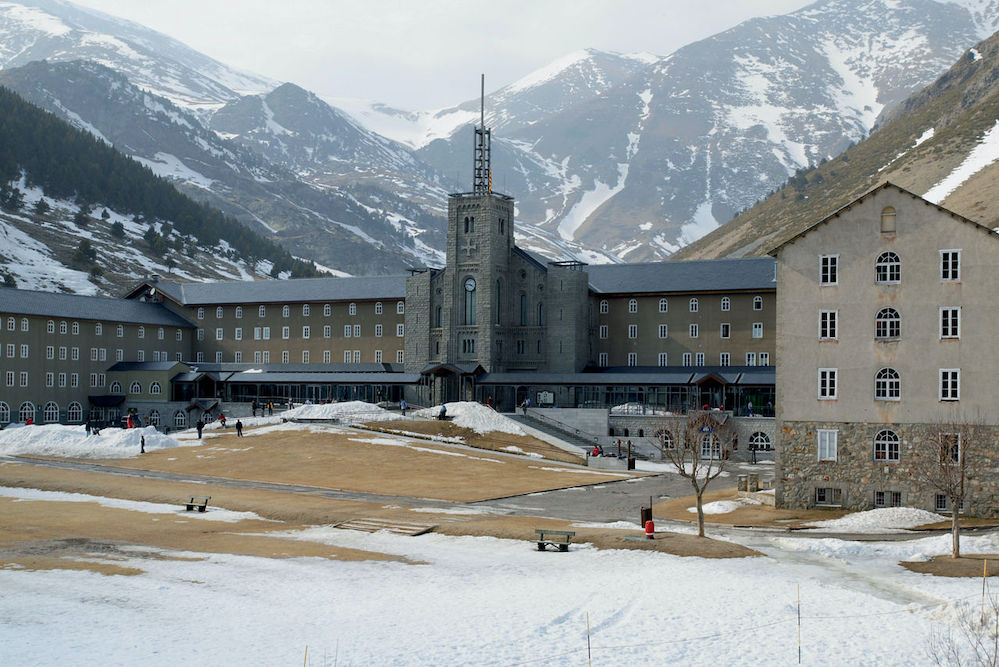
[(239, 312), (74, 414), (154, 417), (887, 385), (888, 324), (760, 441), (155, 389), (26, 412), (888, 220), (286, 311), (400, 307), (160, 333), (604, 307), (726, 303), (327, 310), (115, 388), (63, 327), (4, 413), (201, 313), (219, 312), (886, 446), (498, 307), (180, 419), (710, 447), (665, 439), (469, 224), (51, 414), (379, 309), (439, 317), (888, 268), (541, 314), (663, 306), (693, 305), (471, 301), (50, 326), (757, 303), (135, 388), (633, 305), (352, 309)]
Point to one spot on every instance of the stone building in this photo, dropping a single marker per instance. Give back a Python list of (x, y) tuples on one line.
[(885, 328)]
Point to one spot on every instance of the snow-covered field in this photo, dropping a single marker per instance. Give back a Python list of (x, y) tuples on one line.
[(487, 601), (476, 600)]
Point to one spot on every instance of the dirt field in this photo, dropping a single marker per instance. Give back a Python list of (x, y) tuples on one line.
[(75, 535), (753, 515), (969, 565)]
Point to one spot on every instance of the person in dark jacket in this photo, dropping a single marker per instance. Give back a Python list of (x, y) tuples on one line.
[(200, 425)]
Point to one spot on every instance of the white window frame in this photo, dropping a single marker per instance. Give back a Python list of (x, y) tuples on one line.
[(687, 359), (827, 380), (725, 330), (827, 444), (828, 324), (632, 306), (757, 303), (632, 331), (951, 391), (757, 329), (632, 358), (694, 305), (726, 304), (602, 359), (694, 330), (663, 358), (950, 272), (950, 322), (664, 331), (724, 359), (604, 307), (829, 269), (603, 331), (663, 305)]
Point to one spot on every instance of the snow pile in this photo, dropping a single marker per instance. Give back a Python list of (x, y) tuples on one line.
[(353, 410), (475, 416), (884, 520), (724, 506), (73, 441)]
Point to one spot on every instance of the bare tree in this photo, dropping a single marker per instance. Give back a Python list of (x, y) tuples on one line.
[(698, 448), (974, 640), (945, 457)]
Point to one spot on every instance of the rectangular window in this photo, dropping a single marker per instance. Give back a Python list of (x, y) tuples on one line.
[(11, 350), (237, 357), (180, 335), (120, 331), (62, 379), (950, 384), (23, 378), (687, 358), (326, 356), (50, 379), (826, 440), (98, 329), (327, 331), (827, 324), (378, 356), (603, 332), (267, 333), (256, 357), (346, 356), (757, 329), (306, 332), (699, 359), (723, 359), (267, 356), (827, 383), (9, 378), (632, 331), (285, 356), (238, 333), (262, 311), (750, 358), (950, 265), (306, 310), (218, 357), (62, 353), (829, 270), (827, 496), (764, 358), (50, 351), (93, 354), (256, 333), (950, 322), (400, 330), (201, 334), (219, 334), (285, 333), (663, 331), (74, 354), (357, 356), (347, 329), (141, 355), (400, 357), (357, 331), (725, 330), (74, 380), (378, 331), (93, 379), (602, 359), (24, 351), (239, 312), (694, 330), (103, 354), (305, 356), (632, 358), (663, 359)]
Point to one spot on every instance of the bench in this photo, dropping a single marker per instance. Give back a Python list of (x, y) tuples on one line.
[(199, 502), (556, 538)]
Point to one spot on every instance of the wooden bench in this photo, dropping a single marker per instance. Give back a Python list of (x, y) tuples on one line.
[(556, 538), (199, 502)]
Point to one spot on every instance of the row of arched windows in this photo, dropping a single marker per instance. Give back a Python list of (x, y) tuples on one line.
[(50, 413), (155, 388), (400, 309)]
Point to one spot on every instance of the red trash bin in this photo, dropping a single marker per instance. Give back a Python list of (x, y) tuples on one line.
[(650, 529)]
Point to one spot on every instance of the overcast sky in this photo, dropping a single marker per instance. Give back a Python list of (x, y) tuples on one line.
[(426, 54)]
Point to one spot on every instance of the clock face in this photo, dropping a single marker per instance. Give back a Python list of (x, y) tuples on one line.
[(470, 285)]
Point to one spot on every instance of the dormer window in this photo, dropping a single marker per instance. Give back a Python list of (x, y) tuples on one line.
[(888, 220)]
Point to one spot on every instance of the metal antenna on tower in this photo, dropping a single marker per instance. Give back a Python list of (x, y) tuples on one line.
[(482, 180)]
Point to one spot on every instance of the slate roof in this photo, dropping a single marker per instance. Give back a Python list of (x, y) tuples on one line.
[(639, 376), (79, 307), (328, 378), (281, 291), (123, 366), (704, 275)]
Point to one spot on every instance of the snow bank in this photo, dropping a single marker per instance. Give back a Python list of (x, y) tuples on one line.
[(475, 416), (346, 410), (73, 441), (886, 519), (723, 506)]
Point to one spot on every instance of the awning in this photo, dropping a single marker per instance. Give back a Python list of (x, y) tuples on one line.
[(452, 369), (107, 400), (205, 404)]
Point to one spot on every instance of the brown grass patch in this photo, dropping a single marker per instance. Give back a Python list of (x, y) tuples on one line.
[(750, 515), (969, 565)]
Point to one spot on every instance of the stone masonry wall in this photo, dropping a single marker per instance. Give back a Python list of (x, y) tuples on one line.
[(858, 476)]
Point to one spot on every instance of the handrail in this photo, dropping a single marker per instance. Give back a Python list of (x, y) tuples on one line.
[(562, 426)]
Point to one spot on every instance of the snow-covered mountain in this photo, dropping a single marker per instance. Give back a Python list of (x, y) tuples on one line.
[(611, 157), (682, 144)]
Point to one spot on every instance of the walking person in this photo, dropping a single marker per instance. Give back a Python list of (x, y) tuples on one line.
[(200, 425), (270, 409), (402, 406), (239, 429), (222, 419), (253, 406)]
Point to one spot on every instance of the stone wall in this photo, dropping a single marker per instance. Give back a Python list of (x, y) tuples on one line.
[(647, 425), (857, 476)]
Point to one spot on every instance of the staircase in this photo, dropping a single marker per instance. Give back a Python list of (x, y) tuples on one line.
[(577, 440)]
